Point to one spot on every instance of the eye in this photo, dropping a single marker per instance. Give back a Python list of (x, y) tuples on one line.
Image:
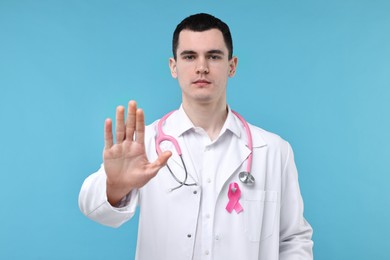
[(189, 57), (214, 57)]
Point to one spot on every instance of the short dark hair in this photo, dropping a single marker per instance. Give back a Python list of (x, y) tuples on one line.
[(199, 23)]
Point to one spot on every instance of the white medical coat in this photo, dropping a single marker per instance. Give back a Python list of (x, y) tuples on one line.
[(270, 227)]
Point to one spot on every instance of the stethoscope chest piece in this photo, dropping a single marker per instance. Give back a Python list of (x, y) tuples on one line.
[(246, 177)]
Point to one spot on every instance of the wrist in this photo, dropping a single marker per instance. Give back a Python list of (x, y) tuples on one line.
[(116, 193)]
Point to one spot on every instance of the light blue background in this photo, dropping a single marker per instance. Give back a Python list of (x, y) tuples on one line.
[(315, 72)]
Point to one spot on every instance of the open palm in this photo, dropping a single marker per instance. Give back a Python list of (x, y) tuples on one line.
[(125, 162)]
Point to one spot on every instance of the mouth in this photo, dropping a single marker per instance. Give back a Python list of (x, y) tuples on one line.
[(201, 82)]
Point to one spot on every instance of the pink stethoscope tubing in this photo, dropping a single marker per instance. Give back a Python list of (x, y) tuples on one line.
[(245, 177), (249, 137)]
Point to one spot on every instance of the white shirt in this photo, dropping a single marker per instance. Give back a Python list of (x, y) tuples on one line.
[(206, 155)]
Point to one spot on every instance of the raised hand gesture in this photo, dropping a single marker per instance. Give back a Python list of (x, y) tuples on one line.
[(125, 162)]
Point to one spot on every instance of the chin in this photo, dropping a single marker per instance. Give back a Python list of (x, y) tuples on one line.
[(203, 100)]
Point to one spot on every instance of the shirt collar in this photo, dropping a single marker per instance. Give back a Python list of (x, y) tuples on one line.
[(184, 123), (232, 123)]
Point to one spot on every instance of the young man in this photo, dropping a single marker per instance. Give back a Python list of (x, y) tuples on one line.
[(203, 204)]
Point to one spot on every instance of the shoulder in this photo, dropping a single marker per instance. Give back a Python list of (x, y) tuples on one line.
[(272, 141)]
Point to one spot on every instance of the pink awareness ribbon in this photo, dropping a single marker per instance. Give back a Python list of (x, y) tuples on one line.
[(234, 195)]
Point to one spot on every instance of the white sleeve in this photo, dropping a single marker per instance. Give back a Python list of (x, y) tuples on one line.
[(93, 202), (295, 231)]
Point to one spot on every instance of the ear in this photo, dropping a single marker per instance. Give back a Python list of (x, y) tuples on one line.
[(233, 66), (172, 66)]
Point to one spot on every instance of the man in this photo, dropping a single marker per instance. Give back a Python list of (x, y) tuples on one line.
[(198, 205)]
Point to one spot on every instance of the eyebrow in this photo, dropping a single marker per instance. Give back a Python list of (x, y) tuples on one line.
[(216, 52), (190, 52), (187, 52)]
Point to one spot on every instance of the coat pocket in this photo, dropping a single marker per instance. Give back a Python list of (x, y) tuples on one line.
[(259, 214)]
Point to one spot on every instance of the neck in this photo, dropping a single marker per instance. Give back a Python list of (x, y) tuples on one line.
[(210, 117)]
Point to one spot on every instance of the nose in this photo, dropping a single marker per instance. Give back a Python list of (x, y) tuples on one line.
[(202, 67)]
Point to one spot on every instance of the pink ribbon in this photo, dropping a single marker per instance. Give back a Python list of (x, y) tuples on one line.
[(234, 195)]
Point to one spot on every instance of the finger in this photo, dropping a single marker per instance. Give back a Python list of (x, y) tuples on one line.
[(120, 125), (108, 142), (131, 119), (140, 126)]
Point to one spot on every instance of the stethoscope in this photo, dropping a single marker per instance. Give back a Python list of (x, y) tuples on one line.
[(245, 176)]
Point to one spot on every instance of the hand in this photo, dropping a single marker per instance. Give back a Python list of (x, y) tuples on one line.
[(126, 164)]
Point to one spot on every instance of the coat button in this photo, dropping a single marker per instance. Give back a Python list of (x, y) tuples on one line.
[(195, 192), (189, 235)]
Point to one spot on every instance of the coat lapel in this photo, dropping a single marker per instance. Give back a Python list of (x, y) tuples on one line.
[(229, 164), (236, 159)]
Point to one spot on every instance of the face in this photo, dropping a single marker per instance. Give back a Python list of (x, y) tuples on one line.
[(202, 66)]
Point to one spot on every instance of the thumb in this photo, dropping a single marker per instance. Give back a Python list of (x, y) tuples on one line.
[(161, 161)]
